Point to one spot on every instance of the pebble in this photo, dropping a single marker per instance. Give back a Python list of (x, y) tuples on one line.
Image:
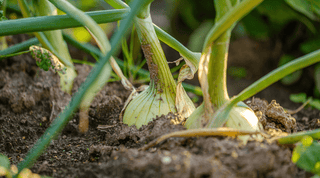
[(166, 160), (44, 119)]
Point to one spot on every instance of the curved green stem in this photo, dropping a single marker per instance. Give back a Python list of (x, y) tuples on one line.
[(296, 137), (163, 36), (117, 4), (266, 81), (19, 47), (13, 54), (85, 20), (25, 25), (63, 118), (44, 23), (230, 18), (278, 74)]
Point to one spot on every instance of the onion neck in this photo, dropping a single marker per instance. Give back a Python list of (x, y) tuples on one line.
[(217, 72), (160, 74)]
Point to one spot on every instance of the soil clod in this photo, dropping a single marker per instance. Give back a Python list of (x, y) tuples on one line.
[(273, 116)]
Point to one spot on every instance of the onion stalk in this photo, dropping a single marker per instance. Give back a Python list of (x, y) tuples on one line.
[(212, 77), (53, 41), (160, 97), (98, 35)]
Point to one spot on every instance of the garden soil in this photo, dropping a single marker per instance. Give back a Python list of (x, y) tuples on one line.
[(30, 99)]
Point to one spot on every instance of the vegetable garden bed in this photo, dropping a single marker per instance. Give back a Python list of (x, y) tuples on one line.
[(60, 118), (31, 98)]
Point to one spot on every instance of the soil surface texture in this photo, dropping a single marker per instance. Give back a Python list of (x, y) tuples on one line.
[(30, 99)]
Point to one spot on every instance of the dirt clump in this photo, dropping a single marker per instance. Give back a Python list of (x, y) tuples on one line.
[(272, 116)]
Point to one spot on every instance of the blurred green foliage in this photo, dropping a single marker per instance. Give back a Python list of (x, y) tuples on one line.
[(4, 161), (279, 14), (302, 98), (298, 98), (310, 8), (306, 155), (237, 72)]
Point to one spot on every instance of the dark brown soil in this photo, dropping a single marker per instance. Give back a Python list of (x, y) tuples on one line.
[(30, 99)]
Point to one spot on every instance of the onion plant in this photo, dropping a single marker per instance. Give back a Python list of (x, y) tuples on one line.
[(212, 77), (164, 94)]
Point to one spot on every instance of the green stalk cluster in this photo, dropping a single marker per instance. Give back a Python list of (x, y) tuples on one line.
[(99, 36), (103, 43), (61, 121), (160, 97)]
